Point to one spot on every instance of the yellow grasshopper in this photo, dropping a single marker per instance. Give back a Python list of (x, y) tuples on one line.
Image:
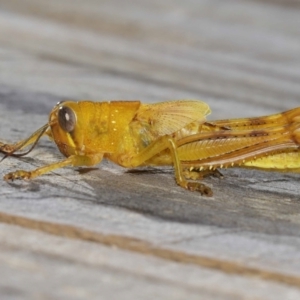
[(176, 133)]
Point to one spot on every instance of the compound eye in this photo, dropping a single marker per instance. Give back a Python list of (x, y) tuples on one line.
[(66, 118)]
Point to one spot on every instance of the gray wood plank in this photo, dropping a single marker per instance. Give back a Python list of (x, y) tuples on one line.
[(37, 265), (240, 57), (260, 75), (254, 228)]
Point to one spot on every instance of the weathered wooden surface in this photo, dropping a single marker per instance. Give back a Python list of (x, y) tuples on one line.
[(135, 234)]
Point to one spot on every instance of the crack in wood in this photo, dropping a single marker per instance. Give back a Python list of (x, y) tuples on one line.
[(146, 248)]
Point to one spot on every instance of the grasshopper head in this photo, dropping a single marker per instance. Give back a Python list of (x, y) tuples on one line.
[(86, 127), (64, 128)]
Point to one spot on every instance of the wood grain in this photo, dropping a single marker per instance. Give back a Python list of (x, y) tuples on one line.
[(241, 57)]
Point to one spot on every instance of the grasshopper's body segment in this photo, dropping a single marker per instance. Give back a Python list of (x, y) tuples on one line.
[(176, 133)]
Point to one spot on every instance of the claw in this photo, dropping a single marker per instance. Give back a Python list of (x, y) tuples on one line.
[(20, 174), (199, 187)]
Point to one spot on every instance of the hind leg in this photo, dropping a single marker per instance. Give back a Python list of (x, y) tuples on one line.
[(195, 173)]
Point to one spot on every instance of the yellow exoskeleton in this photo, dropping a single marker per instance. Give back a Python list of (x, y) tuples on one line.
[(176, 133)]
